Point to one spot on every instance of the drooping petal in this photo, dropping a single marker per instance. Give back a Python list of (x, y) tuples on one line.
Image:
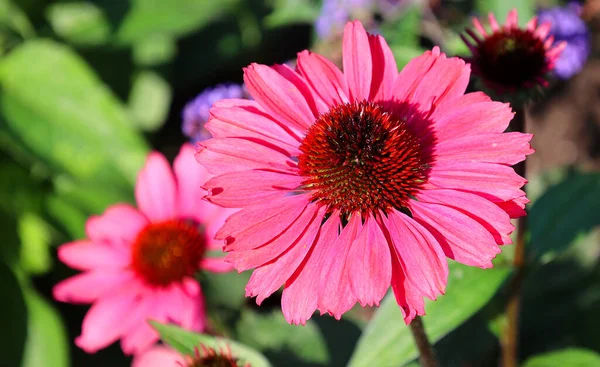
[(278, 96), (141, 336), (385, 69), (419, 254), (155, 190), (301, 292), (507, 148), (86, 255), (89, 286), (118, 226), (253, 226), (462, 238), (408, 297), (268, 278), (244, 188), (324, 78), (357, 61), (369, 264)]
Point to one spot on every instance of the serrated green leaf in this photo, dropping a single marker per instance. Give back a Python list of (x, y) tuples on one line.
[(149, 100), (46, 343), (81, 23), (63, 113), (564, 212), (387, 340), (285, 344), (185, 341), (13, 317), (573, 357)]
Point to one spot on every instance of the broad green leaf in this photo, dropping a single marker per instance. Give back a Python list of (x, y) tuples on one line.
[(35, 236), (291, 12), (79, 22), (154, 50), (63, 113), (564, 212), (283, 343), (387, 340), (146, 18), (47, 343), (149, 100), (16, 19), (500, 8), (573, 357), (185, 341), (13, 318)]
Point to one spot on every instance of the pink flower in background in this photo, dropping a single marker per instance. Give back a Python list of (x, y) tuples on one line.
[(161, 356), (139, 264), (355, 181)]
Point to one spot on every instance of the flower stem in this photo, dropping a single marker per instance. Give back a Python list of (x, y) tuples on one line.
[(511, 333), (427, 358)]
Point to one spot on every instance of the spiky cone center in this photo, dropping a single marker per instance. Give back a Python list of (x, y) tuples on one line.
[(358, 157), (209, 357), (166, 252), (513, 58)]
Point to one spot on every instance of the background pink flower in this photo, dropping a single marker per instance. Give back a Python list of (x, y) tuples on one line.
[(139, 264), (354, 181)]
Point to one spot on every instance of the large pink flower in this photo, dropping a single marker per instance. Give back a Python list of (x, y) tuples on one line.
[(139, 264), (351, 182)]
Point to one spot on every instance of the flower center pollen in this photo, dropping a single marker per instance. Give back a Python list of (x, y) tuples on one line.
[(166, 252), (359, 158)]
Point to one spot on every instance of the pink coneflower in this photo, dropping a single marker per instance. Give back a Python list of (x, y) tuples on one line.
[(139, 264), (512, 62), (351, 182)]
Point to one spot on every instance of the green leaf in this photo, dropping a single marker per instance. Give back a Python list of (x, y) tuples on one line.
[(292, 12), (13, 318), (500, 8), (149, 100), (175, 17), (405, 31), (564, 212), (80, 127), (155, 50), (283, 343), (47, 343), (388, 341), (80, 23), (568, 357), (35, 236), (16, 19), (185, 341)]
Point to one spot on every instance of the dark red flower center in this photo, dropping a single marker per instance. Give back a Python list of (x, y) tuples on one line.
[(210, 358), (358, 157), (512, 58), (166, 252)]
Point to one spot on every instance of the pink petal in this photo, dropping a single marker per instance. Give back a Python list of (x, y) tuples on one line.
[(227, 155), (155, 190), (514, 208), (158, 356), (369, 264), (419, 254), (408, 297), (251, 227), (411, 75), (357, 61), (106, 321), (119, 226), (249, 120), (141, 336), (493, 22), (190, 175), (244, 188), (270, 277), (211, 225), (244, 260), (86, 255), (336, 296), (472, 119), (462, 238), (215, 265), (512, 19), (324, 78), (314, 100), (385, 69), (301, 292), (493, 179), (278, 96), (186, 306), (493, 218), (89, 286), (507, 148)]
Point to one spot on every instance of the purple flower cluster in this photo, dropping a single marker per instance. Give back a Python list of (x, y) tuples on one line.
[(568, 26), (196, 112)]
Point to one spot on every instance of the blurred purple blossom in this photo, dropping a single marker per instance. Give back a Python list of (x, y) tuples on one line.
[(196, 112), (568, 26)]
